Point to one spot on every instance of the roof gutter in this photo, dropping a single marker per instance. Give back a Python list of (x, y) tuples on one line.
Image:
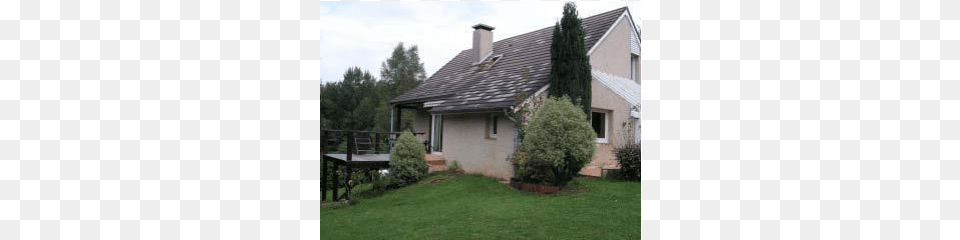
[(506, 112), (470, 111), (492, 110), (424, 99)]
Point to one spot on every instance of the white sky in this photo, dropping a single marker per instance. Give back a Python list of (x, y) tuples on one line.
[(364, 33)]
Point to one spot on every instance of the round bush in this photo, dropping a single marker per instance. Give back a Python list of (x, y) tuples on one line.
[(407, 164), (531, 172), (629, 158), (558, 138)]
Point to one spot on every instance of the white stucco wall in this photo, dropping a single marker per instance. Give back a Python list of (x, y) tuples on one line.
[(465, 141), (612, 55)]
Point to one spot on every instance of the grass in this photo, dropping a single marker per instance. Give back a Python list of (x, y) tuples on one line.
[(477, 207), (362, 188)]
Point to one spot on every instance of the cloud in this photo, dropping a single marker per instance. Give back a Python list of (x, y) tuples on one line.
[(364, 33)]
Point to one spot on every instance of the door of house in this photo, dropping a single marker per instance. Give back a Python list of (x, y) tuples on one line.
[(436, 130)]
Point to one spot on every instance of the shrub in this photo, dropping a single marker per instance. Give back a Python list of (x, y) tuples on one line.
[(454, 166), (378, 181), (531, 171), (558, 138), (340, 171), (629, 158), (519, 159), (342, 147), (407, 164)]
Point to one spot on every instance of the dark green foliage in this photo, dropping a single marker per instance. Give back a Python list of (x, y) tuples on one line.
[(330, 178), (361, 102), (629, 158), (569, 62), (539, 172), (400, 73), (347, 104), (558, 137), (342, 148), (341, 171), (379, 182), (403, 70), (407, 163)]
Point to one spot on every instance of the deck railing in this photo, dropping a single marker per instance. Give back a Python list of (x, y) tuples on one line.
[(330, 141)]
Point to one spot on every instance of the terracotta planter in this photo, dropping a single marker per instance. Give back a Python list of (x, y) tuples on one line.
[(547, 189)]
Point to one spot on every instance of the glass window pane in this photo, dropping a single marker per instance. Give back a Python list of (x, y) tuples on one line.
[(494, 124), (598, 122), (437, 133)]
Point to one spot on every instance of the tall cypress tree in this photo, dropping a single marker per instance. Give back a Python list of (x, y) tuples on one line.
[(569, 62)]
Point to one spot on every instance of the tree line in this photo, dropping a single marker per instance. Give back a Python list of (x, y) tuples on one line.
[(360, 101)]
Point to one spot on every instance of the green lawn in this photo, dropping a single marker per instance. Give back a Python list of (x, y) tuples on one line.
[(476, 207)]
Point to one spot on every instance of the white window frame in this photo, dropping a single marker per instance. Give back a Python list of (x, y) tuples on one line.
[(636, 132), (633, 67), (433, 134), (606, 125), (491, 125)]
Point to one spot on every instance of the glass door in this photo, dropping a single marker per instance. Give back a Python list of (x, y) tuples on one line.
[(437, 133)]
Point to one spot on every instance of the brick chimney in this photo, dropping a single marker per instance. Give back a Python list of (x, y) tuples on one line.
[(482, 42)]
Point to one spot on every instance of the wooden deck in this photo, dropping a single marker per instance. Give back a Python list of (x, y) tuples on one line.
[(364, 160), (357, 142), (360, 158)]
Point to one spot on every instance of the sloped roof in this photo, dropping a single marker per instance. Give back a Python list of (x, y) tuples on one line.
[(461, 86), (625, 88)]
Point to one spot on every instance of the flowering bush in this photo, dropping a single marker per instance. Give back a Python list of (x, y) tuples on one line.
[(558, 140)]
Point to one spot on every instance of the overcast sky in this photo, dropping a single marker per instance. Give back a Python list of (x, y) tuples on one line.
[(364, 33)]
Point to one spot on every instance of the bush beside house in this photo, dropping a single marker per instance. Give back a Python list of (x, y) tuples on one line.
[(558, 142), (407, 163), (628, 157)]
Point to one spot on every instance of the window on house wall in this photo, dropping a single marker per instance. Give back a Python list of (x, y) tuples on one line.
[(599, 122), (636, 132), (634, 64), (492, 125)]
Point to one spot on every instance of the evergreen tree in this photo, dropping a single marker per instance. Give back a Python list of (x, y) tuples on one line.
[(347, 104), (400, 73), (569, 63), (403, 70), (360, 102)]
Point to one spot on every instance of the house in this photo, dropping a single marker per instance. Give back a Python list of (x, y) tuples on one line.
[(465, 106)]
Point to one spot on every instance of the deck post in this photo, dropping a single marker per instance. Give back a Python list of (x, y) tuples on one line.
[(323, 179), (397, 119), (336, 181), (323, 167), (351, 146), (376, 143)]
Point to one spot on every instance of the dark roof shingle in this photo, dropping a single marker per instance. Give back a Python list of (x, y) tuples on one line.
[(461, 86)]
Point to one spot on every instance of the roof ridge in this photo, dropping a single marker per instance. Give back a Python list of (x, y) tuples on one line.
[(463, 88), (541, 29)]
